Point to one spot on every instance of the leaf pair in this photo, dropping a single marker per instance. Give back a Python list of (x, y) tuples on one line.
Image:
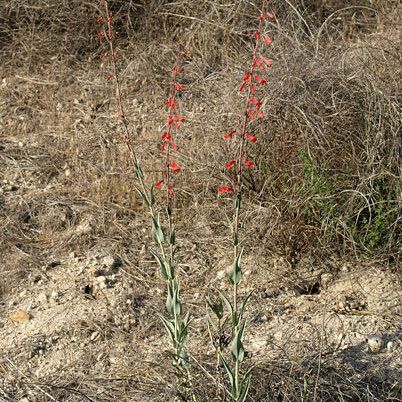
[(240, 391), (235, 273), (167, 271), (173, 304)]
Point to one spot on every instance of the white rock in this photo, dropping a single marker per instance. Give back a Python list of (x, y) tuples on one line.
[(55, 295), (42, 298), (221, 274), (326, 279), (374, 344), (391, 346), (109, 261)]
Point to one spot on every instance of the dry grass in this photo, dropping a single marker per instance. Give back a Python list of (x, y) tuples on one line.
[(328, 179)]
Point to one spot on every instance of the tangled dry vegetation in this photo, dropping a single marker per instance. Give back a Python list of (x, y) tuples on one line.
[(327, 187)]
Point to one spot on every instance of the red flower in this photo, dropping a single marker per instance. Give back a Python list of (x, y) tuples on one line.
[(176, 70), (251, 137), (229, 135), (223, 190), (166, 137), (159, 184), (100, 20), (265, 60), (171, 193), (251, 115), (179, 87), (229, 165), (179, 118), (171, 103), (174, 167), (258, 111), (259, 64), (271, 16), (248, 163), (267, 39), (259, 79), (255, 101)]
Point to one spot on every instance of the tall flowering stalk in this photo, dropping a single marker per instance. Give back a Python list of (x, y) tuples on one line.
[(243, 137), (177, 322)]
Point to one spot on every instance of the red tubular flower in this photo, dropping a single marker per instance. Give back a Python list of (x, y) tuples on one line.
[(229, 135), (259, 64), (271, 16), (159, 184), (179, 118), (255, 102), (259, 79), (258, 111), (251, 137), (99, 20), (223, 190), (172, 104), (248, 163), (265, 60), (166, 137), (251, 115), (175, 168), (230, 164), (267, 39), (179, 87)]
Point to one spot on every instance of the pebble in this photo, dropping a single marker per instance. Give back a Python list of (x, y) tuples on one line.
[(391, 346), (109, 261), (20, 316), (326, 279), (55, 294), (42, 298), (221, 274), (374, 344)]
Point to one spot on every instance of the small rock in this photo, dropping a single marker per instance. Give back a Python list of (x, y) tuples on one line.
[(374, 344), (67, 172), (345, 268), (94, 336), (83, 228), (109, 261), (42, 298), (326, 279), (101, 282), (20, 317), (55, 295), (221, 274), (391, 346)]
